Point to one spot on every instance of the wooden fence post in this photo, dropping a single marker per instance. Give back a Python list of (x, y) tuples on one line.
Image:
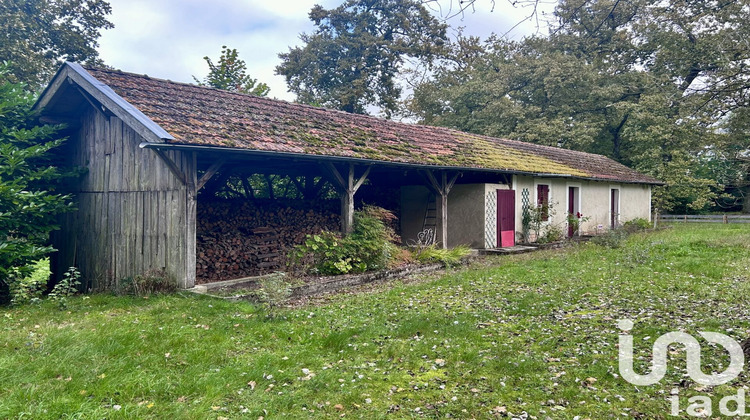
[(726, 219)]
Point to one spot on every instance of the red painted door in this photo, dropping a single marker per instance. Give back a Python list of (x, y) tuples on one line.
[(506, 218)]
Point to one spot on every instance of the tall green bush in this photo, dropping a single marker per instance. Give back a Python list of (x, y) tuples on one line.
[(29, 289), (369, 246), (29, 204)]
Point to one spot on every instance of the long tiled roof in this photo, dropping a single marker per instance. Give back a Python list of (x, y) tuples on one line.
[(196, 115)]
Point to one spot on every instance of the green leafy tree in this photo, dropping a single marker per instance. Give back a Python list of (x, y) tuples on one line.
[(230, 73), (728, 161), (28, 203), (644, 82), (352, 59), (39, 34)]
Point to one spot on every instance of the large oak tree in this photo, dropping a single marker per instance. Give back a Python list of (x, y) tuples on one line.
[(351, 60), (39, 34), (652, 84)]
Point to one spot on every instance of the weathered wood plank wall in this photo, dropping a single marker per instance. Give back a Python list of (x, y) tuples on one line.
[(133, 213)]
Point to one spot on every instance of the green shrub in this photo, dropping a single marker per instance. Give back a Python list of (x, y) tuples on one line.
[(154, 281), (612, 238), (636, 225), (29, 181), (323, 253), (67, 287), (29, 289), (535, 218), (368, 247), (552, 233), (448, 257)]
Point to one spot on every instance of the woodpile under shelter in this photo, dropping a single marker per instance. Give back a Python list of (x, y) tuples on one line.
[(208, 184)]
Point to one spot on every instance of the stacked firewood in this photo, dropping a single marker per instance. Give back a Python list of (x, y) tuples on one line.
[(247, 238)]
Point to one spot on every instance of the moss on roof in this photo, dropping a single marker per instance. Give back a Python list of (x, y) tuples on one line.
[(197, 115)]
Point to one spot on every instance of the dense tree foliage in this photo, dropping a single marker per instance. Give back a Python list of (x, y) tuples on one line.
[(28, 203), (230, 73), (350, 62), (39, 34), (660, 86)]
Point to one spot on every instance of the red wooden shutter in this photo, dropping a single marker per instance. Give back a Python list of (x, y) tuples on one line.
[(542, 200)]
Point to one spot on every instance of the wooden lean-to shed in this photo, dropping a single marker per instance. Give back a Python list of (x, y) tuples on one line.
[(154, 151)]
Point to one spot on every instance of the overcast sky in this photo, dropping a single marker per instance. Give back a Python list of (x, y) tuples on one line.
[(168, 39)]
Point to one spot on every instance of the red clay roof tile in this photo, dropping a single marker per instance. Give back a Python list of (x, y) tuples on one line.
[(197, 115)]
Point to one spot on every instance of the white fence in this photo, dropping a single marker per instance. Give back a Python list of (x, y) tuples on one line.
[(704, 218)]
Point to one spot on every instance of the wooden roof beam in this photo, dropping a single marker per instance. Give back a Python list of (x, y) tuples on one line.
[(210, 172), (172, 166), (348, 188)]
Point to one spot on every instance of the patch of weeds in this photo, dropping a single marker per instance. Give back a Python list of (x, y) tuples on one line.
[(638, 256), (67, 287), (273, 290), (448, 257), (636, 225), (613, 238), (552, 233), (154, 281)]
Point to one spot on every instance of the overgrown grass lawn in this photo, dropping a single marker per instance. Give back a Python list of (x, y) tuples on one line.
[(535, 333)]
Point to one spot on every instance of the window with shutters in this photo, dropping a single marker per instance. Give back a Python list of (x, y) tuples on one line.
[(542, 200)]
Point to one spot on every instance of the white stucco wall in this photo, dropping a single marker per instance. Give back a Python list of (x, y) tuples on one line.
[(635, 202), (413, 207), (467, 218), (594, 201), (468, 221), (466, 215)]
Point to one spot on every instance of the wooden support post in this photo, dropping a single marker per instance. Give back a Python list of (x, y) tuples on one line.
[(249, 193), (192, 221), (347, 187), (442, 189), (298, 185), (310, 189), (347, 203), (269, 183), (216, 183), (286, 188)]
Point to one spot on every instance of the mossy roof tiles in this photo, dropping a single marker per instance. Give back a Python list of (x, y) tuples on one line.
[(196, 115)]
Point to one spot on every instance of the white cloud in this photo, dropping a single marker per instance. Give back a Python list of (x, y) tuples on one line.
[(169, 38)]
